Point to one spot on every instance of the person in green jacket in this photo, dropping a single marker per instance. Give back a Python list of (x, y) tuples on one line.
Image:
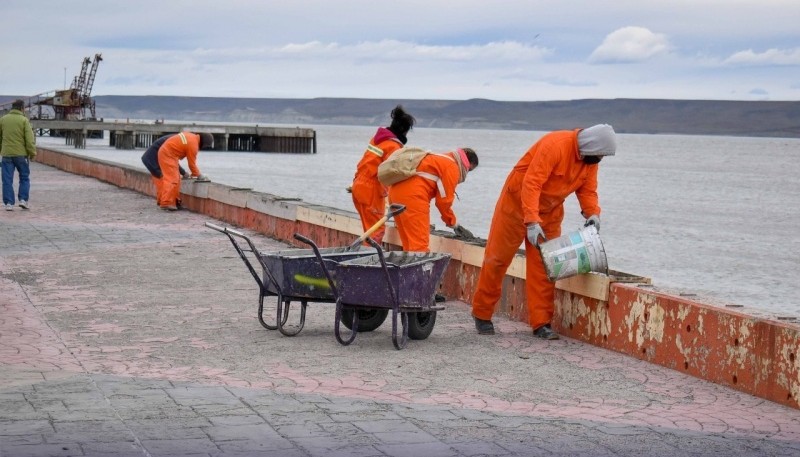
[(18, 148)]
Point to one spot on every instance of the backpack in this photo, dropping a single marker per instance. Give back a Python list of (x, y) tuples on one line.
[(401, 165)]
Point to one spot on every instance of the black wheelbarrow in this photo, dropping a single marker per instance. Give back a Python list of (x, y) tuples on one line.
[(401, 281), (296, 275)]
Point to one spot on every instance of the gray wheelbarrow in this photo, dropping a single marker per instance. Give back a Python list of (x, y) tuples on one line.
[(295, 275), (400, 281)]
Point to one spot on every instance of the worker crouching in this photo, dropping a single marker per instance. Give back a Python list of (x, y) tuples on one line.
[(175, 148)]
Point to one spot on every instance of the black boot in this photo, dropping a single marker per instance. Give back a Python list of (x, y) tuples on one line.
[(484, 327), (545, 332)]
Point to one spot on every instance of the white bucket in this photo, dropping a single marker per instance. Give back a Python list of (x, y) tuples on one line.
[(575, 253)]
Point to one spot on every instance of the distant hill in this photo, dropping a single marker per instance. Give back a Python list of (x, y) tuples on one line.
[(695, 117)]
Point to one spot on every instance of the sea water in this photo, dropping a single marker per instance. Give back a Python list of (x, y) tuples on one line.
[(713, 216)]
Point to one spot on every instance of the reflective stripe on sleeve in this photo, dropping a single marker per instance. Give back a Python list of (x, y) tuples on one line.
[(375, 150)]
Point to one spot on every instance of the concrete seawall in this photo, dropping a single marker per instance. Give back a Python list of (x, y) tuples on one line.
[(749, 351)]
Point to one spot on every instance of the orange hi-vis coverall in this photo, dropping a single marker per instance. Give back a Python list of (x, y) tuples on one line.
[(369, 195), (534, 192), (180, 146), (416, 193)]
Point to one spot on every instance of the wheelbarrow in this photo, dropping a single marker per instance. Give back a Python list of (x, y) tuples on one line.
[(295, 275), (401, 281)]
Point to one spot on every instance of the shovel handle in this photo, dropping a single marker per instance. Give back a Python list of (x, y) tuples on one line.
[(369, 232), (394, 210)]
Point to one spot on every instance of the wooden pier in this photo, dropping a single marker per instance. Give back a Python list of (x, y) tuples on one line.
[(133, 135)]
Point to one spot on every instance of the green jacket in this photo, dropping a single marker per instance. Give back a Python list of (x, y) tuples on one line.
[(16, 135)]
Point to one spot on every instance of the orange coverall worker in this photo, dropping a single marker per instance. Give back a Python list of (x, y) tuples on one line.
[(534, 192), (416, 193), (180, 146), (369, 195), (150, 161)]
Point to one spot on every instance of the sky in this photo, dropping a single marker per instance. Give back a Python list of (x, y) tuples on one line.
[(505, 50)]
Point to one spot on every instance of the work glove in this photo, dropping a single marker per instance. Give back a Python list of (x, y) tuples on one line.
[(593, 220), (187, 175), (349, 189), (462, 232), (534, 232), (203, 178)]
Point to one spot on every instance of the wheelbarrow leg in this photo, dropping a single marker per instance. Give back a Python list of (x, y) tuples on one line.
[(282, 316), (338, 318), (337, 325), (401, 343), (262, 286), (261, 314), (404, 321)]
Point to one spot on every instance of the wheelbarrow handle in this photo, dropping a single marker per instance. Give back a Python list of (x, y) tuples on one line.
[(385, 267), (215, 227), (322, 261), (241, 251), (225, 230), (304, 239)]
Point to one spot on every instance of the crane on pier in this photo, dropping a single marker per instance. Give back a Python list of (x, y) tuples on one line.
[(75, 103)]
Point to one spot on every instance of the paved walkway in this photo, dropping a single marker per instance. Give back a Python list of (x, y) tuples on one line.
[(128, 331)]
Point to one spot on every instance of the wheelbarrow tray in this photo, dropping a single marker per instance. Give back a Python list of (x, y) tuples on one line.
[(299, 274), (414, 276)]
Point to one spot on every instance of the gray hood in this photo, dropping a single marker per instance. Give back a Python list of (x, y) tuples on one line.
[(597, 140)]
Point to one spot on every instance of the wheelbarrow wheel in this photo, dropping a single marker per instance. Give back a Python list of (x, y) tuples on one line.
[(368, 319), (420, 325)]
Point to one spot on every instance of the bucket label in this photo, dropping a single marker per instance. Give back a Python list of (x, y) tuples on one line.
[(584, 266), (575, 253)]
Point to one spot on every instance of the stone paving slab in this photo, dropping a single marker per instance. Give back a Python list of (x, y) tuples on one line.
[(129, 331)]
